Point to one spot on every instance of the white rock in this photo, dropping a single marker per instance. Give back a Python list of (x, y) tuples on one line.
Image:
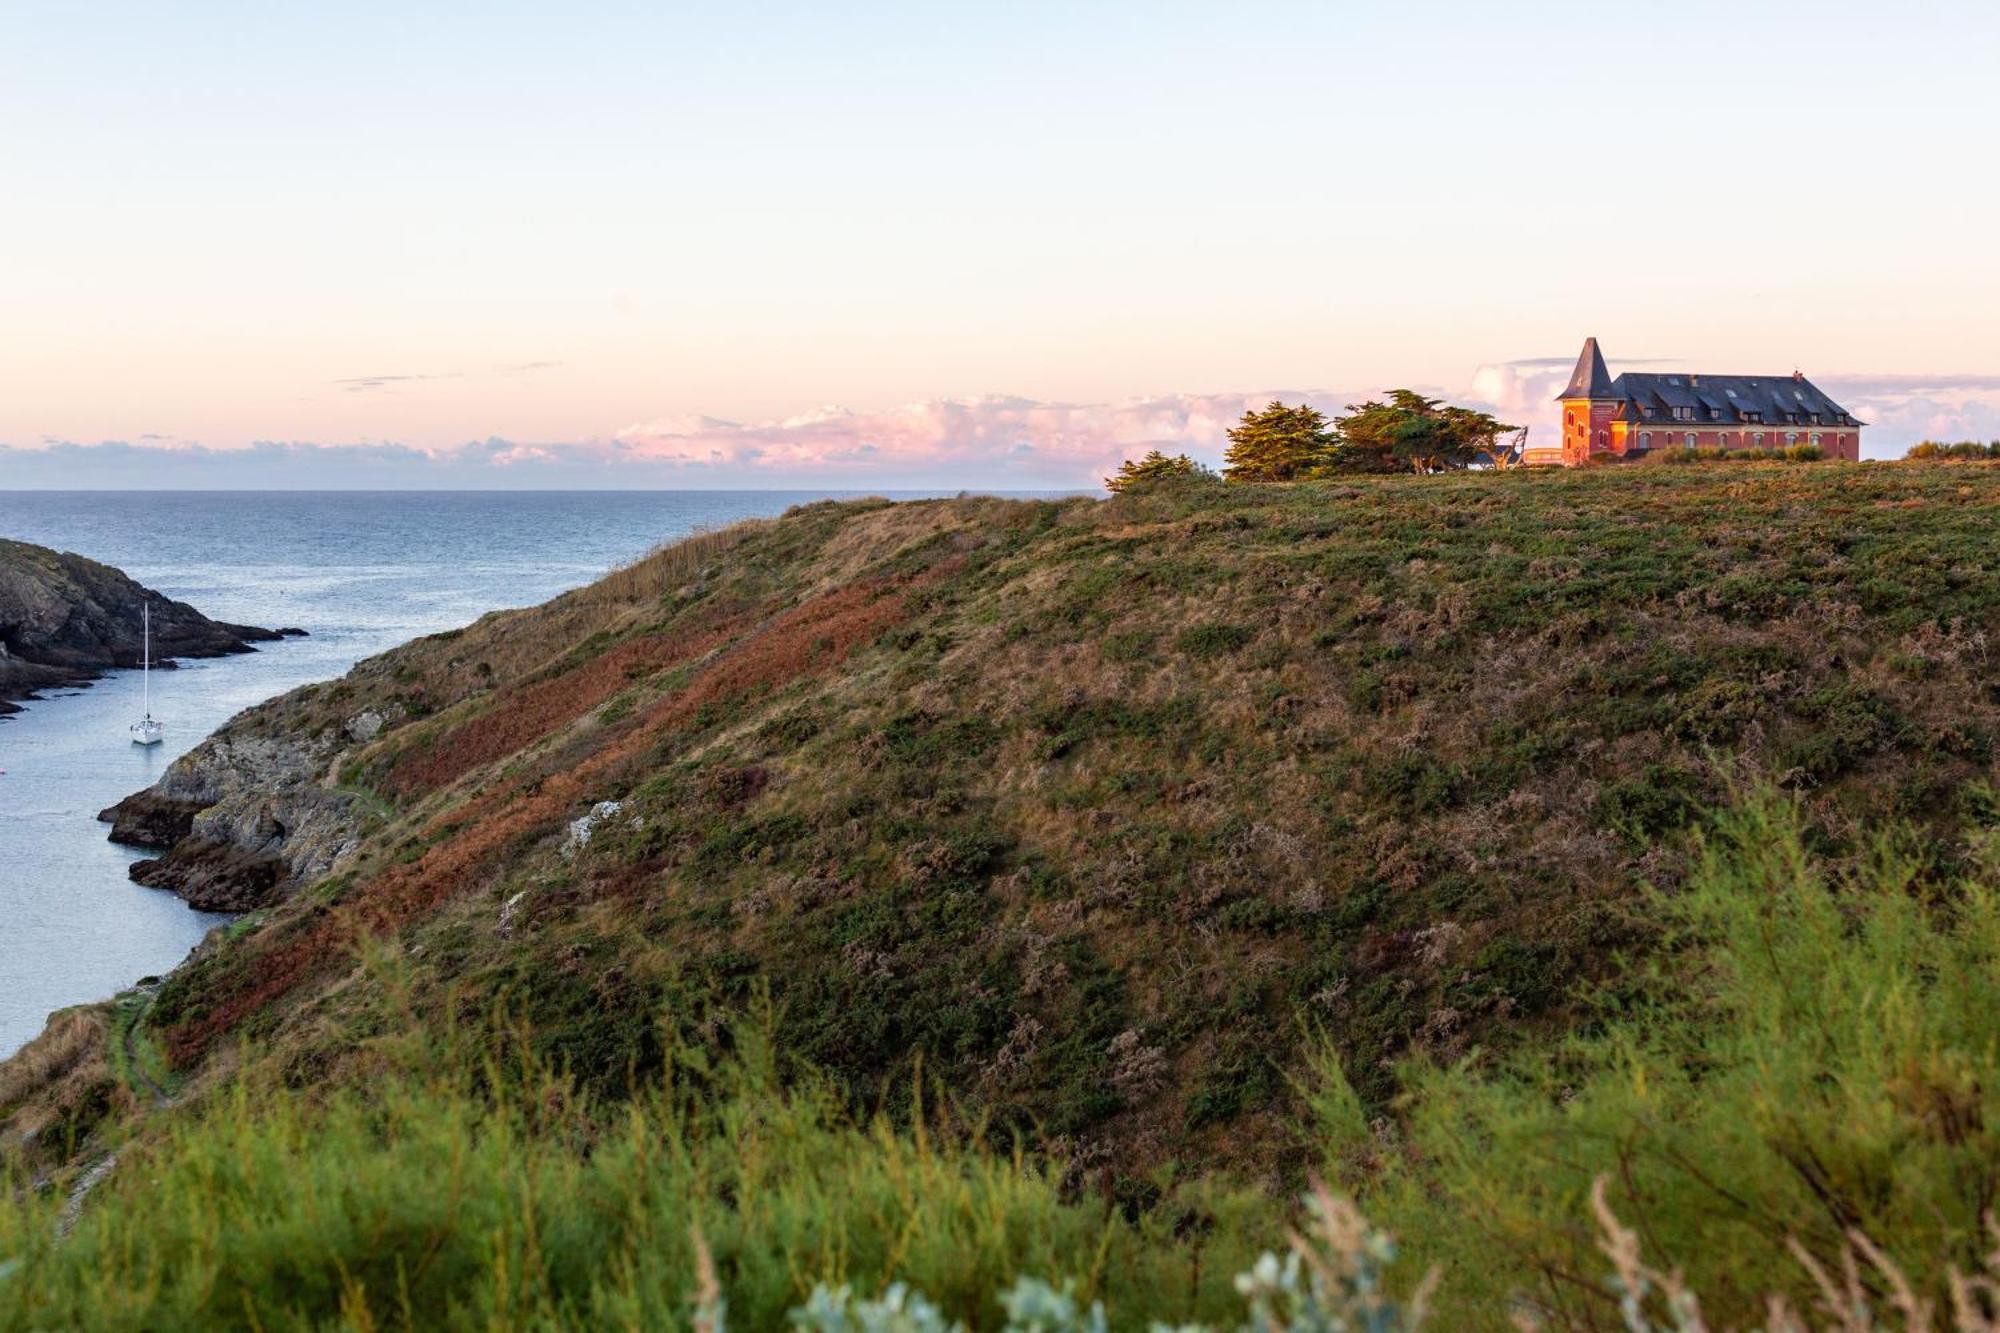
[(581, 829)]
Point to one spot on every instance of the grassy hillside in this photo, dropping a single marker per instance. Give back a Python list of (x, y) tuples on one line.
[(1110, 822)]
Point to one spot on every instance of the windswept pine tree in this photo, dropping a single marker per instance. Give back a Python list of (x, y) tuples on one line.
[(1279, 443), (1153, 469), (1412, 433)]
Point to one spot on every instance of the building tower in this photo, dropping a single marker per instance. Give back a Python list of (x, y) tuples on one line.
[(1589, 406)]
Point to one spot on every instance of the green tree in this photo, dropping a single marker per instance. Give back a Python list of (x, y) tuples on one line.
[(1279, 443), (1154, 469), (1412, 433)]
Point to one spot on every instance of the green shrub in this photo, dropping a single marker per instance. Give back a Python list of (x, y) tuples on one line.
[(1819, 1057), (1968, 450), (435, 1199)]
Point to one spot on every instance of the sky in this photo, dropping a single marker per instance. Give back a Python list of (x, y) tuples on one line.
[(939, 244)]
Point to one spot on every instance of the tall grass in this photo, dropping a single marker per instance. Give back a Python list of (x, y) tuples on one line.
[(472, 1198), (669, 565)]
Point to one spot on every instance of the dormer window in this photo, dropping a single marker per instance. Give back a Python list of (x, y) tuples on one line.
[(1753, 416), (1684, 414)]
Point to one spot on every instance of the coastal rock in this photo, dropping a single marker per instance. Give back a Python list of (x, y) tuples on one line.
[(145, 820), (248, 818), (215, 876), (65, 620)]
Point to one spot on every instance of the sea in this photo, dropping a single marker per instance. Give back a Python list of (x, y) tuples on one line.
[(359, 571)]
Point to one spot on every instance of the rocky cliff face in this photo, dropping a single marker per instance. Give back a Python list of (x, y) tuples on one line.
[(65, 619), (241, 817)]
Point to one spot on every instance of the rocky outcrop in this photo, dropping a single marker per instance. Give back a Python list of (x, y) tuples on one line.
[(65, 620), (241, 818), (214, 876), (145, 820)]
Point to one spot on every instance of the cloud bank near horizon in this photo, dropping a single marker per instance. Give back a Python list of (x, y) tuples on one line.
[(992, 442)]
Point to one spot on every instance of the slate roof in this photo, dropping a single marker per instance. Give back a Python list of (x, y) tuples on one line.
[(1770, 400), (1591, 379)]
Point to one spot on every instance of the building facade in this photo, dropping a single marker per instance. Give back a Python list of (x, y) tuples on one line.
[(1633, 415)]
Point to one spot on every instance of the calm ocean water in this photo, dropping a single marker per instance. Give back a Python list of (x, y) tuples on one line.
[(361, 571)]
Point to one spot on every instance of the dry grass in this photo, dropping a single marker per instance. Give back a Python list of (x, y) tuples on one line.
[(59, 1074), (670, 566), (73, 1039)]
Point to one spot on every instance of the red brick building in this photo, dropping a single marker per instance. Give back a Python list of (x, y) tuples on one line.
[(1629, 417)]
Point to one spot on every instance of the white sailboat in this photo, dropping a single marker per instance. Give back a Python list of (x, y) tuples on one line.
[(147, 730)]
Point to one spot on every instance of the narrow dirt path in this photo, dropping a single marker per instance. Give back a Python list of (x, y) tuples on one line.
[(142, 1077)]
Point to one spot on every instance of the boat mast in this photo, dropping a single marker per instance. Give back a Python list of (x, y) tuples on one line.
[(146, 656)]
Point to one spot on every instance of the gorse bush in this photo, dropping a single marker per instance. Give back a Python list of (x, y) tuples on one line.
[(1964, 450), (453, 1194), (1817, 1054)]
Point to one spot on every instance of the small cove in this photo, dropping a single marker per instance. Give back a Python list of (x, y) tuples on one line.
[(360, 571)]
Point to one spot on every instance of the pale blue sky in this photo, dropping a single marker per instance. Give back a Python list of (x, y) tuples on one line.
[(606, 226)]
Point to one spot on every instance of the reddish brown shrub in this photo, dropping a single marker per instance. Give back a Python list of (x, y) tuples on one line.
[(806, 639)]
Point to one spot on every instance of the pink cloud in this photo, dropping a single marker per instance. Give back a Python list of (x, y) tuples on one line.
[(989, 436)]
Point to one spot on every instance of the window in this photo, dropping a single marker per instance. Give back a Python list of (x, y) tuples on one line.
[(1758, 439), (1572, 418), (1645, 439), (1690, 439), (1603, 440), (1815, 439), (1722, 440), (1753, 416), (1791, 437), (1684, 414)]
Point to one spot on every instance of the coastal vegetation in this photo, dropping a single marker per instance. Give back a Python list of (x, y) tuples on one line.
[(1963, 451), (958, 893), (1155, 468), (1407, 433)]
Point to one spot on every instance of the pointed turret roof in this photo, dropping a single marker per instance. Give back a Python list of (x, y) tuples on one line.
[(1591, 379)]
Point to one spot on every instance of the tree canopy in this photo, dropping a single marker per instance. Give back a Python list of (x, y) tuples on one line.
[(1279, 443), (1154, 469), (1406, 433), (1412, 433)]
